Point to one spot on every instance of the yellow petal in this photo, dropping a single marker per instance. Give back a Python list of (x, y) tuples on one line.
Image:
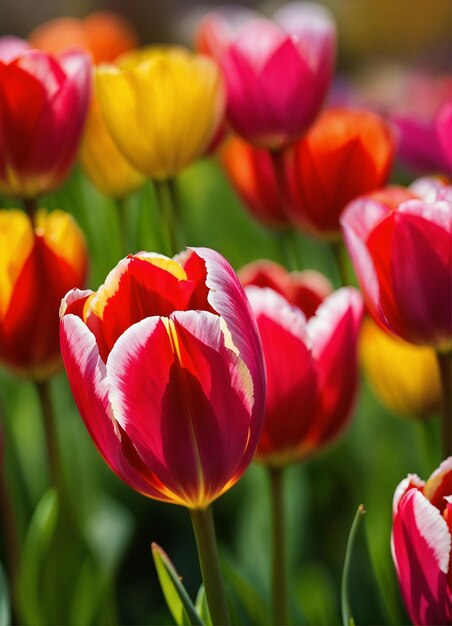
[(405, 377), (16, 243), (103, 163), (63, 236)]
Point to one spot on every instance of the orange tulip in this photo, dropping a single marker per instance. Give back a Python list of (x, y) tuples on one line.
[(37, 267), (104, 34)]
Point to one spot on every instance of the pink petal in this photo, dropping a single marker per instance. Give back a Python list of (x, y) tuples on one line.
[(187, 409), (11, 47), (421, 549), (443, 125), (257, 40)]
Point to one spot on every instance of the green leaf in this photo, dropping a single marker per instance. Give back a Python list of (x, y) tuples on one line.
[(252, 601), (39, 536), (176, 596), (347, 617), (5, 610), (202, 607)]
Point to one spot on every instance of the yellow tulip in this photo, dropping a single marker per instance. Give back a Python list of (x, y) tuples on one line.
[(101, 160), (162, 107), (405, 377)]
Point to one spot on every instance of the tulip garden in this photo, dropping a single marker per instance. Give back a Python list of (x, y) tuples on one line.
[(225, 329)]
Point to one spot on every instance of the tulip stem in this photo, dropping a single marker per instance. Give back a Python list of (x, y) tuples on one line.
[(10, 532), (340, 256), (51, 437), (288, 248), (165, 201), (123, 223), (445, 368), (31, 206), (279, 548), (203, 526)]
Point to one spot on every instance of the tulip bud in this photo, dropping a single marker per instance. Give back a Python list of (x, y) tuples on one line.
[(421, 545), (36, 269), (43, 105), (405, 377), (162, 107)]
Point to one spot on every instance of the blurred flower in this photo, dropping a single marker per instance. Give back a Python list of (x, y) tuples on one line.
[(421, 545), (104, 34), (405, 377), (306, 289), (431, 189), (101, 160), (43, 105), (252, 173), (165, 365), (403, 260), (277, 72), (36, 270), (311, 371), (162, 107), (345, 154), (11, 47)]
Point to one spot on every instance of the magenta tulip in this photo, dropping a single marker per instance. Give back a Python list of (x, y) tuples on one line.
[(11, 46), (403, 259), (311, 371), (166, 368), (422, 545), (43, 105), (277, 72)]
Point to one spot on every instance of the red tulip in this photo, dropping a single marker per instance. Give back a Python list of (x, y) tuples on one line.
[(345, 154), (43, 105), (311, 371), (403, 260), (252, 173), (421, 545), (306, 289), (277, 72), (37, 267), (166, 368)]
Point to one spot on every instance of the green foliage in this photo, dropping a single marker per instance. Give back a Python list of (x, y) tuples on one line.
[(5, 610)]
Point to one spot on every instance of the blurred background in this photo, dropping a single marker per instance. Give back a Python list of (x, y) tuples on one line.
[(376, 39)]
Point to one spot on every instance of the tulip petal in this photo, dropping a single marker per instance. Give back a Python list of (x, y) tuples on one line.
[(190, 423), (421, 546), (227, 298), (88, 379), (333, 332)]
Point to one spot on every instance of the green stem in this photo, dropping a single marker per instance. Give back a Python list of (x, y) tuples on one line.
[(51, 436), (347, 616), (424, 445), (203, 526), (9, 526), (288, 248), (279, 548), (445, 368), (165, 202), (340, 256), (123, 224)]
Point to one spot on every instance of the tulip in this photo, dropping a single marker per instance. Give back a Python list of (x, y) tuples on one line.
[(43, 105), (277, 72), (162, 107), (403, 260), (253, 175), (101, 160), (305, 290), (104, 34), (425, 144), (311, 371), (11, 46), (405, 377), (36, 270), (141, 356), (345, 154), (421, 544)]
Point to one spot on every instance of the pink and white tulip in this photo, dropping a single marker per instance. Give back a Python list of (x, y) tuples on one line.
[(421, 544), (166, 367), (277, 71)]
